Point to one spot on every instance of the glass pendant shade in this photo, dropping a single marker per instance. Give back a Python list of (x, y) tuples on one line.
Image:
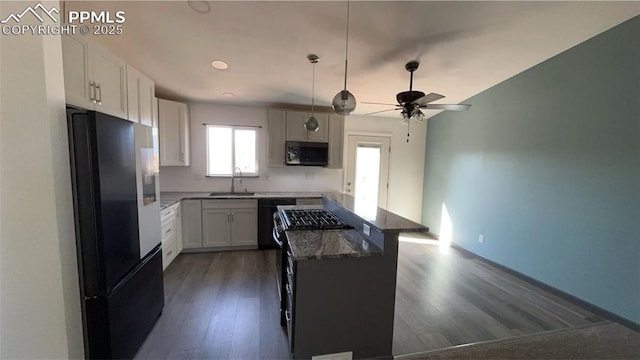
[(344, 102), (311, 124)]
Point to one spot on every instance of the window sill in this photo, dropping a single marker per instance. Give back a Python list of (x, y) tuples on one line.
[(229, 176)]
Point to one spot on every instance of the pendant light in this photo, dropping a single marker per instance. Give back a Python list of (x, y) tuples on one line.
[(344, 102), (312, 123)]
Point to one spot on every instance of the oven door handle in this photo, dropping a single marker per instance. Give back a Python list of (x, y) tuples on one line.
[(275, 236)]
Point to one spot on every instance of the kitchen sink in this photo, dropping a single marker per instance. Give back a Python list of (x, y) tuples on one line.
[(230, 194)]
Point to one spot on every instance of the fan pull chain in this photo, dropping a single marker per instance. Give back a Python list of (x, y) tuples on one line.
[(408, 128)]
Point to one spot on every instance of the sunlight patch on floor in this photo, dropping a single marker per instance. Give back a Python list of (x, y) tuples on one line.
[(418, 240)]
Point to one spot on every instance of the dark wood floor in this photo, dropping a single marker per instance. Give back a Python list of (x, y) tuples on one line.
[(450, 299), (219, 306), (225, 306)]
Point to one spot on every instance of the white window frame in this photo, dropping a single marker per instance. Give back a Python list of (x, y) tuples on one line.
[(233, 153)]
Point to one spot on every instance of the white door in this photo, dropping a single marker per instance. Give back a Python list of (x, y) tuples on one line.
[(368, 172)]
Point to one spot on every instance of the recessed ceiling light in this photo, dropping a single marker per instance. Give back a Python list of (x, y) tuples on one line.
[(219, 64), (201, 7), (228, 94)]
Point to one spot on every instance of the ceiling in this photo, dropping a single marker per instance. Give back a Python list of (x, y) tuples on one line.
[(464, 47)]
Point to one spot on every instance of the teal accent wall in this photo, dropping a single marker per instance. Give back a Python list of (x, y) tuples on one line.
[(547, 166)]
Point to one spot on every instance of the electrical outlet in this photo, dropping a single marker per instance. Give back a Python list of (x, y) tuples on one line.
[(481, 239), (366, 229), (365, 244)]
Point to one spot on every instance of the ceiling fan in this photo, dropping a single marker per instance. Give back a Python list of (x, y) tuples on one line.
[(410, 102)]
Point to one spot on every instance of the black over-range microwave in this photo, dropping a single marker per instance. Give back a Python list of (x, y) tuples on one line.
[(306, 153)]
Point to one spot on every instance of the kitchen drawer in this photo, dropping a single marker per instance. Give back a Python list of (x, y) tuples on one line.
[(168, 228), (230, 204), (169, 213), (169, 250)]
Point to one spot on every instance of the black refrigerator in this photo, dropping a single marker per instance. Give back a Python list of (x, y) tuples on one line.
[(121, 289)]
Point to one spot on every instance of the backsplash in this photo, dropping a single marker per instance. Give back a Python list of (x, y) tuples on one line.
[(173, 178)]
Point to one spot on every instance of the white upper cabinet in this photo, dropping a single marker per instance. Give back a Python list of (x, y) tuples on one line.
[(75, 54), (277, 123), (173, 129), (141, 97), (154, 112), (289, 125), (95, 79), (297, 132), (336, 141)]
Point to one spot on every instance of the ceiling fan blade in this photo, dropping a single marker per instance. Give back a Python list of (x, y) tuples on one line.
[(458, 107), (376, 103), (381, 111), (429, 98)]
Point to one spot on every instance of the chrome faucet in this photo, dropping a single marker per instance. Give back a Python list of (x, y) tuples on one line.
[(233, 178)]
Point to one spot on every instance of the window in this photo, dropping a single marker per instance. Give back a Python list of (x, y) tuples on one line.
[(229, 148)]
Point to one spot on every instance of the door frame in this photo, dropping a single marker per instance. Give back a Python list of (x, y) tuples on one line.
[(347, 160)]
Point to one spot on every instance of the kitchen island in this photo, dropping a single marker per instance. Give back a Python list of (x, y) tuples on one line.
[(340, 284)]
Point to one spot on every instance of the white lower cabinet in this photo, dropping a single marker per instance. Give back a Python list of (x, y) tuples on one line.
[(192, 224), (229, 223), (216, 229), (244, 227)]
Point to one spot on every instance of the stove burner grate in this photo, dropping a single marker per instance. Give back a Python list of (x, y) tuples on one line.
[(312, 219)]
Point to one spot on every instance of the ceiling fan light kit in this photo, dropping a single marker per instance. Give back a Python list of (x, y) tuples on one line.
[(410, 102), (312, 123), (344, 102)]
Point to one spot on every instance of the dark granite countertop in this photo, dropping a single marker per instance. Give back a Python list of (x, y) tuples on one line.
[(168, 202), (177, 196), (384, 220), (329, 244)]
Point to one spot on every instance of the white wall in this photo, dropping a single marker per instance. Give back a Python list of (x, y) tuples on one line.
[(191, 178), (39, 302), (406, 168)]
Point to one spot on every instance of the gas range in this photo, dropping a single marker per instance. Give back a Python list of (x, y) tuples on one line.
[(311, 219)]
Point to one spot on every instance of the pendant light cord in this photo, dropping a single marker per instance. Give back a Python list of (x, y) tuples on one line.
[(346, 50), (313, 85)]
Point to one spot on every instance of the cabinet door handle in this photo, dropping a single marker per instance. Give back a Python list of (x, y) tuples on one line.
[(99, 94), (168, 230), (170, 252), (92, 91), (228, 217), (232, 217)]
